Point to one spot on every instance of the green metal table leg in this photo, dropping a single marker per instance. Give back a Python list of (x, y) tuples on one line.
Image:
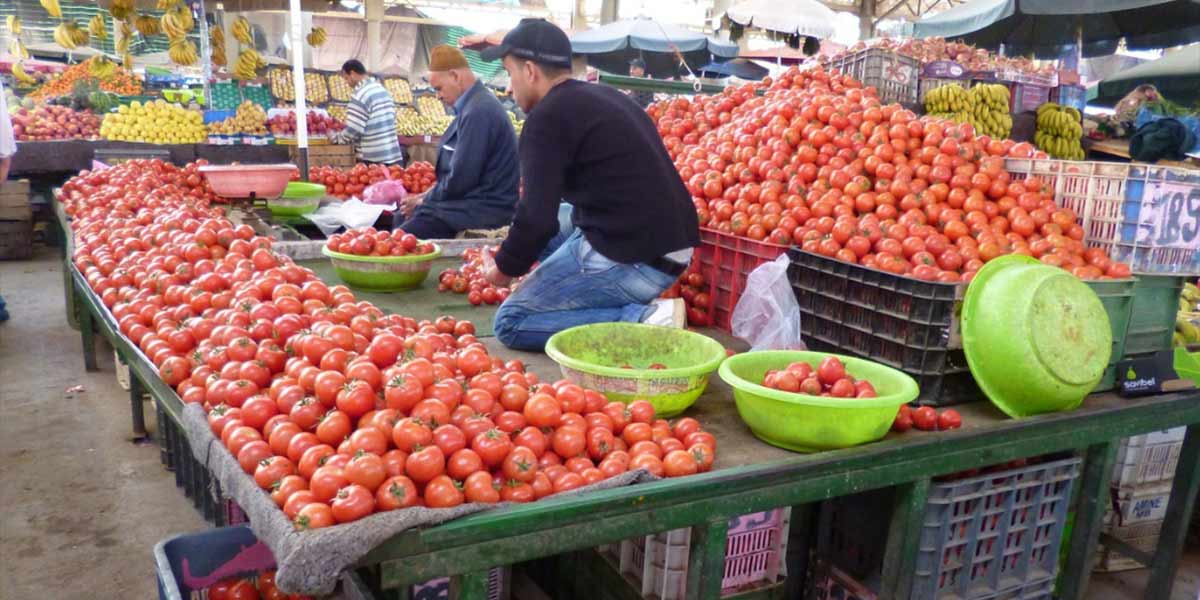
[(69, 295), (137, 411), (1175, 525), (88, 333), (469, 586), (706, 559), (903, 539), (1089, 512)]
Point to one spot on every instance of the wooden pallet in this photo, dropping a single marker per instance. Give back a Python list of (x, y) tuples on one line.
[(14, 201)]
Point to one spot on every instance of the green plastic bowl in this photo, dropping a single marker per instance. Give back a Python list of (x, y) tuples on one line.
[(804, 423), (293, 207), (1037, 338), (382, 273), (302, 189), (592, 356)]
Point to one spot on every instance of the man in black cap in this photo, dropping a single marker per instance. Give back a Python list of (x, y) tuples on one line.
[(633, 224), (637, 68)]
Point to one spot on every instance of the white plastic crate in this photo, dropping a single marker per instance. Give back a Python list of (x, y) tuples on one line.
[(1139, 504), (1148, 458), (754, 554), (1137, 213), (894, 75)]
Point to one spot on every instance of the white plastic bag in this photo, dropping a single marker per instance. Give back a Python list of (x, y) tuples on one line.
[(767, 316), (350, 214)]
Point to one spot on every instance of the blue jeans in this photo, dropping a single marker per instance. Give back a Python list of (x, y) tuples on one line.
[(575, 285)]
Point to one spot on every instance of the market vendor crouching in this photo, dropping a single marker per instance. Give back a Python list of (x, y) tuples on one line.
[(477, 169), (633, 225)]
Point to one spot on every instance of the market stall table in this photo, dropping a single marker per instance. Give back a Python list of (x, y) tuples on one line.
[(1120, 148), (72, 156)]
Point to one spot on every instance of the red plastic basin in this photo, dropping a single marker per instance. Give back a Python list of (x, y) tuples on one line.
[(243, 181)]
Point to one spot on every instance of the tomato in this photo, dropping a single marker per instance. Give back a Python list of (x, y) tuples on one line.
[(532, 438), (925, 418), (520, 465), (409, 434), (449, 438), (679, 463), (830, 370), (903, 421), (296, 501), (395, 493), (703, 454), (649, 462), (425, 464), (271, 470), (492, 446), (368, 440), (542, 410), (480, 487), (366, 470), (569, 481), (569, 441), (352, 503), (516, 491), (283, 489), (949, 419), (442, 492), (325, 483), (314, 516)]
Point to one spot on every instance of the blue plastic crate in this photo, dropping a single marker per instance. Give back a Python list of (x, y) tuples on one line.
[(213, 116), (194, 561), (1160, 221)]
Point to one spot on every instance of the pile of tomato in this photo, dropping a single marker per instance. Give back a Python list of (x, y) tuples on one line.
[(468, 279), (336, 409), (926, 418), (829, 379), (693, 288), (818, 161), (366, 241), (344, 183), (261, 587)]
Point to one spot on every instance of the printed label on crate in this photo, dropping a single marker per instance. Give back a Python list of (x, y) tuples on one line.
[(1141, 506), (1172, 211), (1145, 376), (944, 69), (899, 72)]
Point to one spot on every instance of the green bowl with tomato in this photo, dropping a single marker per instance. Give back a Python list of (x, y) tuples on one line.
[(804, 423), (667, 367), (382, 273)]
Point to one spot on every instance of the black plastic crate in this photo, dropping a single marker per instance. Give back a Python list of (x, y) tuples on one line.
[(192, 477), (905, 323)]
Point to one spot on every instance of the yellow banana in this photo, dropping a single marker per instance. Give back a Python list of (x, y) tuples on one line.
[(167, 4), (14, 24), (17, 48), (316, 37), (96, 27), (147, 25), (52, 7), (127, 61), (242, 31), (63, 37), (19, 73)]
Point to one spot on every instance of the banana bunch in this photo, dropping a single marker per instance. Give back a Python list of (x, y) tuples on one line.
[(121, 9), (216, 40), (177, 22), (127, 61), (96, 27), (182, 52), (1189, 298), (53, 8), (101, 67), (1058, 131), (242, 32), (70, 35), (14, 24), (247, 65), (948, 98), (17, 48), (167, 4), (317, 37), (122, 44), (146, 25), (984, 106), (18, 72)]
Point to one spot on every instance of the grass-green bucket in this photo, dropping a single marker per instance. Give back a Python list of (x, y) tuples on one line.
[(593, 356), (806, 423), (382, 273)]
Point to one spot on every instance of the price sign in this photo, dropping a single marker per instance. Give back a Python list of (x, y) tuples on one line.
[(1174, 217)]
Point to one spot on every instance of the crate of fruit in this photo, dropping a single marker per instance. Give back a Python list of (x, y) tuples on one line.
[(1148, 458), (726, 260), (755, 548), (985, 535), (1139, 214), (893, 75)]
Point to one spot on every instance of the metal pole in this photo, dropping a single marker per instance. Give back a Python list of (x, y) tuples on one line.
[(297, 35), (205, 54)]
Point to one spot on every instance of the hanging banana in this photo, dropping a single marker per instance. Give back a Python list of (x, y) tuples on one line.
[(146, 25), (96, 27), (17, 48), (317, 37), (21, 76), (246, 67), (127, 61), (242, 32), (167, 4), (14, 24), (121, 9), (182, 52), (52, 7)]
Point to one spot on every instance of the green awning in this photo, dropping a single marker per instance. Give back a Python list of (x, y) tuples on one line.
[(484, 69)]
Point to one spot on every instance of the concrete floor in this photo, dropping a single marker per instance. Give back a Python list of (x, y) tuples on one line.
[(83, 506)]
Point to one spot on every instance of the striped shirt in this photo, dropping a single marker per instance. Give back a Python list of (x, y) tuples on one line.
[(371, 121)]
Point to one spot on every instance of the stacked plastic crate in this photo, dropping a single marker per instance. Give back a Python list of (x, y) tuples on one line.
[(1141, 486)]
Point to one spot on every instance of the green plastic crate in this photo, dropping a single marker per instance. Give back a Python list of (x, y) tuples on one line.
[(1117, 297), (1152, 321), (225, 95)]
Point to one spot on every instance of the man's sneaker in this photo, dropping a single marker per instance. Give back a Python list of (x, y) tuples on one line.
[(668, 312)]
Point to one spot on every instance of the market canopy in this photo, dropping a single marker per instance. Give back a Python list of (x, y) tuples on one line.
[(794, 17), (610, 47), (1176, 75), (1045, 27), (738, 67)]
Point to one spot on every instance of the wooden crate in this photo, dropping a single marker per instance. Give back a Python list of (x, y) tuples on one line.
[(14, 201), (332, 155), (16, 239)]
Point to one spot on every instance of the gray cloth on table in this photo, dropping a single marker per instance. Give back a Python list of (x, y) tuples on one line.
[(310, 562)]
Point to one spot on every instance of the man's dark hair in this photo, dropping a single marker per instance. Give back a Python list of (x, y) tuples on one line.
[(354, 66), (549, 71)]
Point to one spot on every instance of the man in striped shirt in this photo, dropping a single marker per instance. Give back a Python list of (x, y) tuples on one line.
[(370, 118)]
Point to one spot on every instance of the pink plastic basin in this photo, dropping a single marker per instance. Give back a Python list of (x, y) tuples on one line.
[(242, 181)]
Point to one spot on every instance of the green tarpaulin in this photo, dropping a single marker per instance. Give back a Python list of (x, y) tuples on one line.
[(1046, 27)]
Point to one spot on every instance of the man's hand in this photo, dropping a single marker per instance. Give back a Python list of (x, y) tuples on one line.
[(492, 273), (411, 202)]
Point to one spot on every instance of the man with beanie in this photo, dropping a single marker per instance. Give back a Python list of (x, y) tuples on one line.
[(370, 118), (477, 169), (633, 225)]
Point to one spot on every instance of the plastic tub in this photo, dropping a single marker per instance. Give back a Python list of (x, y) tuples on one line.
[(382, 273), (593, 356), (810, 423), (1036, 337), (266, 182), (299, 198)]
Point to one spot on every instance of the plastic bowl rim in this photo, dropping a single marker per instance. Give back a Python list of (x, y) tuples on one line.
[(569, 362), (904, 396), (390, 260)]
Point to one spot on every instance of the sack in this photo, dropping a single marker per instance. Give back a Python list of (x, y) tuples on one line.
[(388, 191), (767, 316)]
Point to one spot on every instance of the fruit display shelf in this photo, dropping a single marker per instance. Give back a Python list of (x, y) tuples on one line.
[(70, 156)]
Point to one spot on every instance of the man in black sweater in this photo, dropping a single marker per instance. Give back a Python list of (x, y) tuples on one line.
[(633, 225)]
